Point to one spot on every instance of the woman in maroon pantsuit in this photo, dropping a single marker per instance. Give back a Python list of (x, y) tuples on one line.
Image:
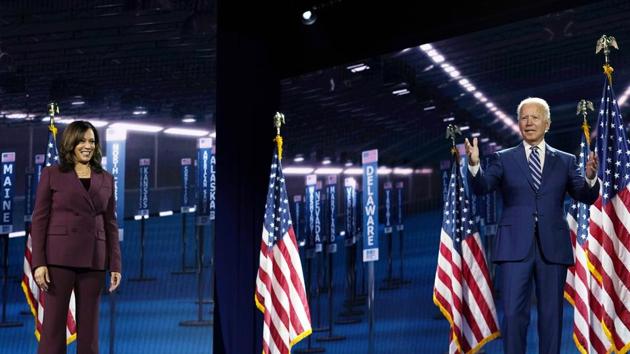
[(75, 239)]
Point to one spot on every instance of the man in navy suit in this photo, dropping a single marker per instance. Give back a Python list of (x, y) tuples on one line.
[(532, 244)]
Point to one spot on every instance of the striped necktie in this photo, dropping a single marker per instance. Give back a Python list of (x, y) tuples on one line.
[(534, 167)]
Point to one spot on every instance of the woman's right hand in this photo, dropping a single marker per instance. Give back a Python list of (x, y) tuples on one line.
[(41, 277)]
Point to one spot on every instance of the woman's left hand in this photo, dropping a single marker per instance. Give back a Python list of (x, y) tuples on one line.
[(114, 281)]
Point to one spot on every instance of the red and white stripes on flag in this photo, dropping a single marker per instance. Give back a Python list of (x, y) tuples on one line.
[(463, 287), (37, 299), (608, 252), (609, 227), (280, 292), (583, 291)]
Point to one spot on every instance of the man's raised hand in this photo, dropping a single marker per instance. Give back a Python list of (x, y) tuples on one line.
[(472, 150)]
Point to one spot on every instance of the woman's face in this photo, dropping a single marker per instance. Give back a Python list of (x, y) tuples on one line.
[(85, 148)]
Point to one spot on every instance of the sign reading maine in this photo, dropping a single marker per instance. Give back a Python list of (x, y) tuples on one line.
[(8, 191)]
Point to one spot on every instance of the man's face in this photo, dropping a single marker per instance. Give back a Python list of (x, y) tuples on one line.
[(532, 123)]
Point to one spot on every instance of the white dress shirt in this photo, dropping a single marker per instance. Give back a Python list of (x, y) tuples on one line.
[(541, 152)]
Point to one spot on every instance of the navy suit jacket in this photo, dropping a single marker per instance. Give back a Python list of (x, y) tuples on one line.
[(508, 172), (74, 227)]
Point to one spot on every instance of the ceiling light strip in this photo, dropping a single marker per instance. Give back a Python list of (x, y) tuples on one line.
[(624, 96), (465, 83)]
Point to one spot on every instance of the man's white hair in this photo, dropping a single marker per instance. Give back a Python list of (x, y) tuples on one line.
[(535, 100)]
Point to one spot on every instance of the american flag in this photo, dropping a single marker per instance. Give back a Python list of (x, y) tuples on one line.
[(463, 287), (280, 292), (610, 223), (582, 289), (34, 296)]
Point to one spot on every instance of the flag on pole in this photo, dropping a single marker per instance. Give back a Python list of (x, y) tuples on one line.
[(463, 287), (280, 292), (582, 289), (34, 296), (609, 242)]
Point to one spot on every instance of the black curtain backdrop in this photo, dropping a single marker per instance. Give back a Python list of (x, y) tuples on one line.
[(258, 44), (247, 99)]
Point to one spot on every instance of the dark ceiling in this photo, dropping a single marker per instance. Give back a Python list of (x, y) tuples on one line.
[(118, 55), (337, 113), (115, 55)]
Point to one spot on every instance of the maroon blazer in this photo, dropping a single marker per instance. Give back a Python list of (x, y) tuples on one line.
[(73, 227)]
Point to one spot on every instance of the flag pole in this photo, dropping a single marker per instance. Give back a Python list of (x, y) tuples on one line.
[(29, 199), (369, 161), (460, 251), (613, 213), (320, 274), (53, 108), (279, 242), (331, 249), (401, 233), (451, 133), (604, 43), (582, 109), (390, 283), (577, 219), (351, 314), (203, 219)]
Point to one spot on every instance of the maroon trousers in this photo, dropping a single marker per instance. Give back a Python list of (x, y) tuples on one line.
[(88, 285)]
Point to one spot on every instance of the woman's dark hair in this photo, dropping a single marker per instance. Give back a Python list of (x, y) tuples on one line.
[(72, 136)]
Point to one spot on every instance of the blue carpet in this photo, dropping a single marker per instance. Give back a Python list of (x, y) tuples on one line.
[(406, 318), (148, 313)]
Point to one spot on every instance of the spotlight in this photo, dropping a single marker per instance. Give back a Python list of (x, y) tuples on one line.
[(400, 92), (139, 111), (77, 101), (188, 118), (16, 115), (308, 17)]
